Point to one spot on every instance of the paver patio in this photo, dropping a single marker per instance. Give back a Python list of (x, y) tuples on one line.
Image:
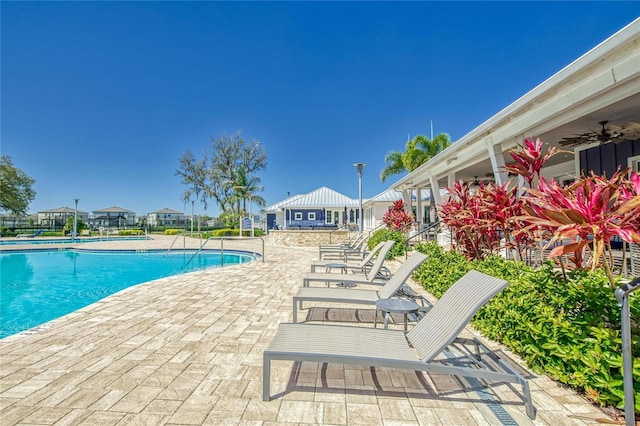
[(188, 350)]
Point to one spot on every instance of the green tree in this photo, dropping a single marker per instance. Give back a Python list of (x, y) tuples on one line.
[(216, 173), (16, 190), (245, 188), (80, 225), (418, 151)]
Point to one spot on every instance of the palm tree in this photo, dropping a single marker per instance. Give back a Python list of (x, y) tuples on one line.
[(245, 186), (418, 151)]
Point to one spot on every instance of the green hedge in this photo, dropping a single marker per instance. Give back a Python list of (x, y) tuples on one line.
[(128, 232), (568, 329), (385, 234)]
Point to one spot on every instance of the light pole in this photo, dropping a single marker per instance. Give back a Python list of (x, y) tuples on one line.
[(193, 202), (251, 213), (360, 167), (75, 220)]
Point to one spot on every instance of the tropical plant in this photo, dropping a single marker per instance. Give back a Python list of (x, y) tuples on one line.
[(529, 159), (397, 217), (245, 188), (564, 326), (417, 152), (590, 211)]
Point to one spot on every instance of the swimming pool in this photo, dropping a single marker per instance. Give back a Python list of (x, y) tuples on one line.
[(39, 286)]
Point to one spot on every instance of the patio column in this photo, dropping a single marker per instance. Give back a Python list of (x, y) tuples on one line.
[(407, 199), (419, 212), (497, 162), (437, 199)]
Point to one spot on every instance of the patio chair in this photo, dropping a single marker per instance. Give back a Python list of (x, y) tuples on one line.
[(35, 234), (416, 350), (355, 295), (371, 276), (356, 249), (361, 267)]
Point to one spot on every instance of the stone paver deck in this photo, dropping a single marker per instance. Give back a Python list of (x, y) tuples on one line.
[(188, 350)]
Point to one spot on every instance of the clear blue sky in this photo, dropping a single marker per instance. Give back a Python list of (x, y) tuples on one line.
[(100, 99)]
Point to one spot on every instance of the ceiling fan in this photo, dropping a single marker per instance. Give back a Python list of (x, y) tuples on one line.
[(488, 179), (611, 133)]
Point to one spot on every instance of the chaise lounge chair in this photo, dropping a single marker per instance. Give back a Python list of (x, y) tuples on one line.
[(416, 350), (362, 267), (371, 276), (35, 234), (355, 249), (351, 266), (356, 295)]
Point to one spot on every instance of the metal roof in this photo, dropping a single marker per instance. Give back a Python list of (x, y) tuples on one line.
[(391, 195), (322, 197)]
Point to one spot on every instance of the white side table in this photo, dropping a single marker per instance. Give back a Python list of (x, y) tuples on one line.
[(396, 306)]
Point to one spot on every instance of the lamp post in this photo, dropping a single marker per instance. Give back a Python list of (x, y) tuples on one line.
[(359, 167), (75, 220), (193, 202)]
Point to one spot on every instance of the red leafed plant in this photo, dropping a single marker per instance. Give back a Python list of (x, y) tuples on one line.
[(590, 211), (397, 216), (485, 220), (529, 159)]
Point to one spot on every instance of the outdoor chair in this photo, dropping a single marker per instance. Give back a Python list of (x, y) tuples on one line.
[(355, 250), (355, 295), (35, 234), (361, 267), (416, 350), (371, 276)]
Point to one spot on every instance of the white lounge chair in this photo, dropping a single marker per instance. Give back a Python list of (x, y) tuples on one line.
[(371, 276), (351, 266), (416, 350), (357, 295)]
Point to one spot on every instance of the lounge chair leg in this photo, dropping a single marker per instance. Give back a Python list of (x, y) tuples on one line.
[(266, 378), (528, 403), (295, 310)]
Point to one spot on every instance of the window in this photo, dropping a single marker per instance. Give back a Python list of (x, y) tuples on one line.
[(327, 217), (312, 216), (298, 216)]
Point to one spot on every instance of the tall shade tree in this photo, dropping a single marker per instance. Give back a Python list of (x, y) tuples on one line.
[(216, 173), (418, 151), (16, 192)]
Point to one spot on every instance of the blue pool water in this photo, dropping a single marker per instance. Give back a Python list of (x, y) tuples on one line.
[(38, 286)]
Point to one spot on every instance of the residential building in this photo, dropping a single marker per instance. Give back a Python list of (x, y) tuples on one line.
[(166, 217), (57, 218), (319, 209), (112, 217)]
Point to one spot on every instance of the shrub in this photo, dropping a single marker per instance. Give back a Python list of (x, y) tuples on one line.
[(172, 231), (128, 232), (384, 234), (568, 328)]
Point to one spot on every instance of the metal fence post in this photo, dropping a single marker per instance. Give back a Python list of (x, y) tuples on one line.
[(622, 294)]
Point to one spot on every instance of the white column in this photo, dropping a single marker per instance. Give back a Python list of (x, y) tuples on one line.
[(419, 213), (497, 163)]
